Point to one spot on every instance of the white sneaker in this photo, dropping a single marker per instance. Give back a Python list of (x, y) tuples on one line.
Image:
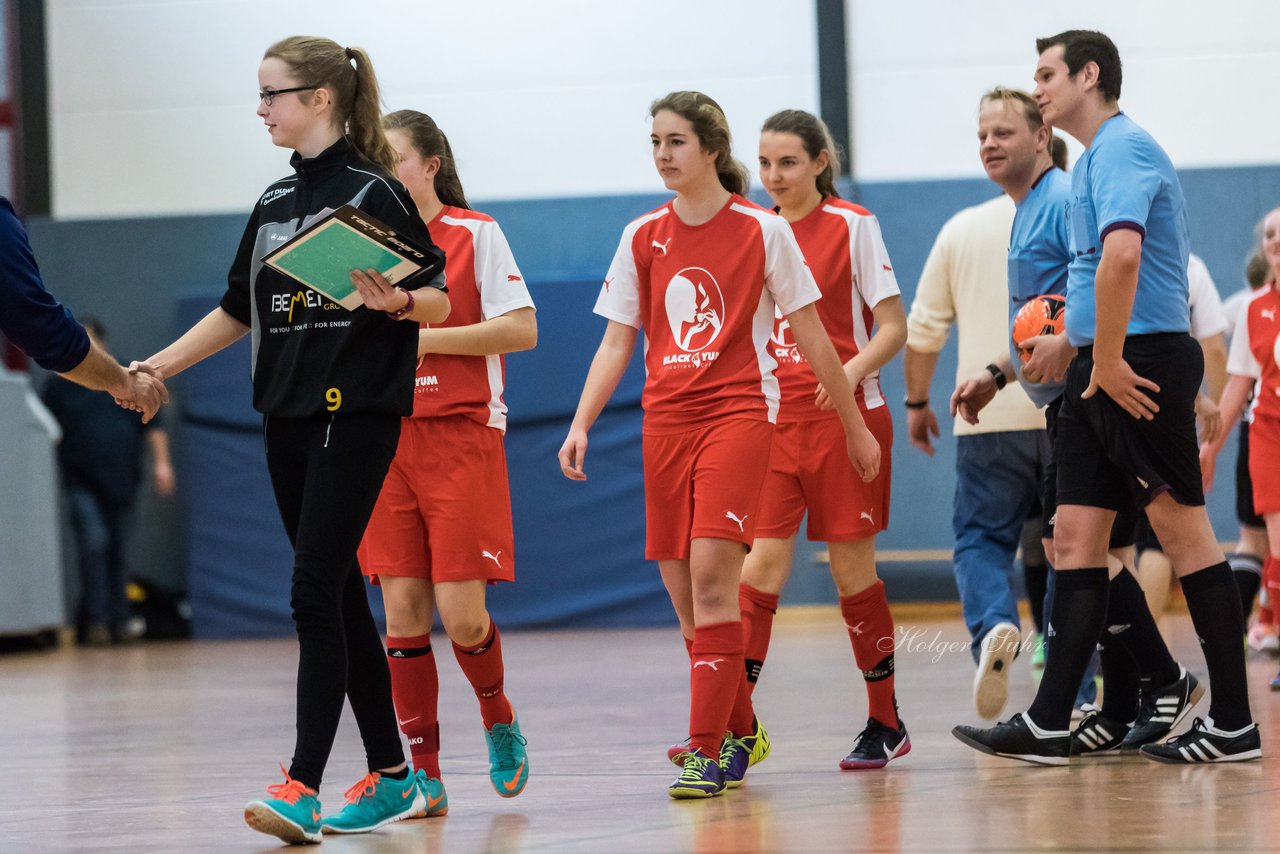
[(1262, 638), (991, 683)]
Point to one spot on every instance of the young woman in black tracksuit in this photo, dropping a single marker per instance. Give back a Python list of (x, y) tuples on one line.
[(332, 386)]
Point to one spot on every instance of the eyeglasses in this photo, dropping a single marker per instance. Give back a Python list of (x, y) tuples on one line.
[(269, 95)]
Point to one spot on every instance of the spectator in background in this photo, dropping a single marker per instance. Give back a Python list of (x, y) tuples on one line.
[(34, 321), (101, 455), (999, 462)]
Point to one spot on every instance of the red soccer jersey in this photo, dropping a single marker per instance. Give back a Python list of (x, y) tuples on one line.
[(483, 282), (705, 297), (1255, 350), (842, 243)]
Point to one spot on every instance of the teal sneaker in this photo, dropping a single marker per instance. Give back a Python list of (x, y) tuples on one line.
[(508, 762), (757, 743), (735, 758), (376, 801), (701, 777), (432, 788), (292, 813)]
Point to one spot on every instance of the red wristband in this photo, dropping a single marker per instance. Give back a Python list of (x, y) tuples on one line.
[(402, 312)]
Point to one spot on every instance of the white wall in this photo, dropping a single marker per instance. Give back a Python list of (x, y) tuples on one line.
[(152, 101), (1201, 76)]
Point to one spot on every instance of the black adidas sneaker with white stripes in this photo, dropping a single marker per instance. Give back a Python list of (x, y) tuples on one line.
[(1097, 736), (1019, 738), (1160, 710), (1206, 743)]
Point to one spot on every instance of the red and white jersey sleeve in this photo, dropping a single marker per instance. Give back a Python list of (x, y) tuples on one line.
[(1261, 334), (484, 283), (1255, 350), (705, 297), (844, 248)]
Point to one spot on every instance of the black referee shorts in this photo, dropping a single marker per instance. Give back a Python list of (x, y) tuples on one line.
[(1106, 457), (1124, 529)]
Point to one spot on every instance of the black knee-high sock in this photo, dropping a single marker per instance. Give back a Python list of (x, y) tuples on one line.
[(1119, 680), (1074, 625), (1129, 621), (1247, 570), (1036, 576), (1214, 603)]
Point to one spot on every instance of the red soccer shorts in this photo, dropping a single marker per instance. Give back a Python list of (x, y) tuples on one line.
[(1264, 464), (444, 513), (810, 467), (703, 482)]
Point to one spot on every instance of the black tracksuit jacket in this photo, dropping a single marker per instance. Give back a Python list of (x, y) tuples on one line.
[(310, 355)]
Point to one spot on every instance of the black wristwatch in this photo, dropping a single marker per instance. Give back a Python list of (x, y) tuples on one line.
[(998, 374), (916, 404)]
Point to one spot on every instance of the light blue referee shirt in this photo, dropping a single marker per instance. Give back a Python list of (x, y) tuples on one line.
[(1039, 253), (1125, 180)]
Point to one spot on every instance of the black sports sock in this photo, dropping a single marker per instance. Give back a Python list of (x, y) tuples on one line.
[(1129, 621), (1075, 623), (1119, 681), (1247, 570), (402, 774), (1035, 576), (1214, 603)]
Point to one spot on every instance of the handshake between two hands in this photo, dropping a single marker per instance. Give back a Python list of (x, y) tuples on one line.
[(141, 389)]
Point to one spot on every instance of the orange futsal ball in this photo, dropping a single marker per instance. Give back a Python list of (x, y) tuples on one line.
[(1042, 315)]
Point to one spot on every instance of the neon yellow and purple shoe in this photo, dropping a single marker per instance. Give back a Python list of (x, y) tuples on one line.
[(376, 801), (432, 788), (700, 777), (757, 743), (735, 758), (508, 761), (292, 813)]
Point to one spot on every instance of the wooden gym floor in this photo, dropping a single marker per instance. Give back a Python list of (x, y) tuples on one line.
[(158, 747)]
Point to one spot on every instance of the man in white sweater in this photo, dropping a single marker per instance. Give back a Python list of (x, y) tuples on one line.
[(999, 461)]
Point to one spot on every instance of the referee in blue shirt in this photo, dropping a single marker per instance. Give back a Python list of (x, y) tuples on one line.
[(1126, 429), (1016, 150), (32, 319)]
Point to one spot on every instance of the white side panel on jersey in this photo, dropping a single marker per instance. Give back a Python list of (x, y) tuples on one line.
[(1240, 360), (873, 281), (619, 297), (915, 89), (152, 103), (501, 288), (786, 274)]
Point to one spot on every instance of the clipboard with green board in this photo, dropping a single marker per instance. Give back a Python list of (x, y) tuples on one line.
[(323, 256)]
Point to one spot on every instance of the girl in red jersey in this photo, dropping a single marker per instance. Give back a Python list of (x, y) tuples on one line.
[(703, 276), (441, 530), (1255, 361), (808, 467)]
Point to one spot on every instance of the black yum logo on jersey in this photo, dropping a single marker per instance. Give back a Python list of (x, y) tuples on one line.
[(695, 313)]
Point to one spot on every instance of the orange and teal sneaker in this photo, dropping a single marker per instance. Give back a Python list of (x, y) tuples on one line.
[(376, 801), (701, 777), (292, 813), (508, 762), (432, 788)]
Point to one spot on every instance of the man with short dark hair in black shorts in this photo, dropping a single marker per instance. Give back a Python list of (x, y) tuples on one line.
[(1126, 430)]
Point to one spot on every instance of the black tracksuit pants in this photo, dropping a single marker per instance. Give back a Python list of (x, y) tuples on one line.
[(327, 471)]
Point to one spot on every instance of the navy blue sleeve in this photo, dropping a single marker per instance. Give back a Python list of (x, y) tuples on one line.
[(29, 315)]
